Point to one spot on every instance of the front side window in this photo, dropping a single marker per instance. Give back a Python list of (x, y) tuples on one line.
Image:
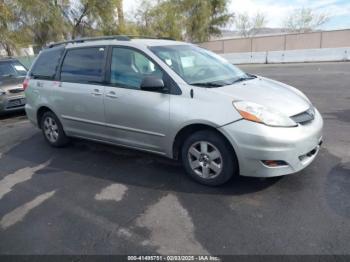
[(197, 66), (129, 67), (84, 65)]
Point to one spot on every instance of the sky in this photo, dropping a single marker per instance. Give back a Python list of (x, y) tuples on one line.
[(277, 10)]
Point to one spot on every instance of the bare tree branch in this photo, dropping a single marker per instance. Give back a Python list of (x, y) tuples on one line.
[(305, 20)]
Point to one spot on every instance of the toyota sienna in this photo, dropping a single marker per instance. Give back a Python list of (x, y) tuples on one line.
[(173, 99)]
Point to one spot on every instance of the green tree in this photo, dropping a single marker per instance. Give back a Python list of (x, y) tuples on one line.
[(94, 17), (205, 18), (197, 19), (13, 33), (218, 18), (193, 20), (161, 20), (44, 19), (39, 22)]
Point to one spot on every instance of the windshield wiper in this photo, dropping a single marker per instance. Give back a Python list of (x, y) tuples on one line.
[(207, 84), (240, 79)]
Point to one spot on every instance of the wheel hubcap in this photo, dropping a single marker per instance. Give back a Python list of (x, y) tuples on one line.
[(51, 129), (205, 159)]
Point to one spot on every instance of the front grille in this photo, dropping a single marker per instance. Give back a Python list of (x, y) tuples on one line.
[(20, 102), (15, 91), (304, 117)]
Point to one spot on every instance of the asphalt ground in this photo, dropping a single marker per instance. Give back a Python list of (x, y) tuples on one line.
[(90, 198)]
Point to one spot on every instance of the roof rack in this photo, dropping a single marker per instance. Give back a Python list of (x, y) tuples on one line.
[(87, 39), (110, 37), (149, 37)]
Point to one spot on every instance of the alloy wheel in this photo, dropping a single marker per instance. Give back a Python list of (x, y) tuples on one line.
[(205, 159), (51, 129)]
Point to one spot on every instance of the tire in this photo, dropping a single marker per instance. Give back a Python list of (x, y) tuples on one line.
[(208, 158), (52, 130)]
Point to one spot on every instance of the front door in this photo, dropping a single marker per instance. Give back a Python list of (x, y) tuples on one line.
[(135, 117)]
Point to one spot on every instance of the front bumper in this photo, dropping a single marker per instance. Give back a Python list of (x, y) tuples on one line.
[(253, 142), (12, 103)]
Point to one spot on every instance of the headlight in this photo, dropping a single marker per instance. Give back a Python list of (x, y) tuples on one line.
[(2, 92), (262, 114)]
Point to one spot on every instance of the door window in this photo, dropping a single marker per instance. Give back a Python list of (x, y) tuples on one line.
[(83, 65), (129, 67)]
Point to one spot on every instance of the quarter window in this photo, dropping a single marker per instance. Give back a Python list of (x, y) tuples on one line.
[(84, 65), (46, 64), (129, 67)]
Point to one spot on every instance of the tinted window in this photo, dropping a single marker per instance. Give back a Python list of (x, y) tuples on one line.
[(129, 67), (12, 69), (46, 64), (83, 65)]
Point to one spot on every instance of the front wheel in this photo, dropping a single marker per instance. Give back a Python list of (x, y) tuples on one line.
[(53, 130), (208, 158)]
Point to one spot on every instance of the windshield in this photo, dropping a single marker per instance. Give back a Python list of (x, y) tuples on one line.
[(12, 69), (198, 66)]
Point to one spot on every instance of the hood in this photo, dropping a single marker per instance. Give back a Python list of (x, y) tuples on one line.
[(267, 92), (11, 82), (12, 86)]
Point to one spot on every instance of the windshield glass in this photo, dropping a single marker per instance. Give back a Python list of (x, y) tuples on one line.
[(198, 66), (12, 69)]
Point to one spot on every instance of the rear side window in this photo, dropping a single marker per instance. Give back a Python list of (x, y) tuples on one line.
[(83, 65), (46, 64)]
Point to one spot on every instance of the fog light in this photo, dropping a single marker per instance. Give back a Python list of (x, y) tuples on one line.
[(274, 163)]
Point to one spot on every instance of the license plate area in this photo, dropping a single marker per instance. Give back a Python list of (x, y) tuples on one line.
[(16, 103)]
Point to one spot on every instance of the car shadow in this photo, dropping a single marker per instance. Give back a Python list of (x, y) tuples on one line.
[(125, 166), (337, 192), (14, 114)]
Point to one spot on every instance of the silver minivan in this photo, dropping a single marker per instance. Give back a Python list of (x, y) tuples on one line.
[(173, 99)]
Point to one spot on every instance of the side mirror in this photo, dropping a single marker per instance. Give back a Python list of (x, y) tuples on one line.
[(152, 83)]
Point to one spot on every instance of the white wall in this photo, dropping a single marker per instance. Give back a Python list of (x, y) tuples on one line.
[(290, 56)]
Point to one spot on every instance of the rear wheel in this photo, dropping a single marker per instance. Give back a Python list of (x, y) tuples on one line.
[(208, 158), (53, 130)]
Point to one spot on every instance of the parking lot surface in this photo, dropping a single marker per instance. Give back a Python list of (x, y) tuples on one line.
[(90, 198)]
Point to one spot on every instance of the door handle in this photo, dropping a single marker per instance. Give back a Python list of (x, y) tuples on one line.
[(112, 94), (96, 92)]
